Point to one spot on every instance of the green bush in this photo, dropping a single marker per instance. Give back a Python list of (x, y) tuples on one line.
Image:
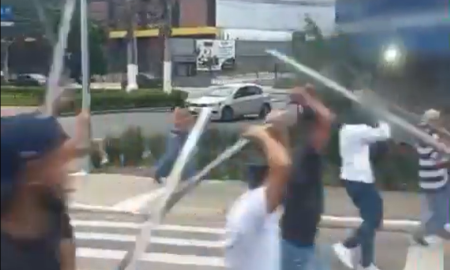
[(100, 99), (397, 171), (132, 146)]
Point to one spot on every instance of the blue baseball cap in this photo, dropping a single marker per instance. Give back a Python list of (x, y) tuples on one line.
[(26, 137)]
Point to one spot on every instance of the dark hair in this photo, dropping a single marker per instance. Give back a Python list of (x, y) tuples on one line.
[(256, 175), (357, 115)]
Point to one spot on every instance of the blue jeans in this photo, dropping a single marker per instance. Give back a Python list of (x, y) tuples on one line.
[(370, 205), (302, 258), (174, 144), (436, 212)]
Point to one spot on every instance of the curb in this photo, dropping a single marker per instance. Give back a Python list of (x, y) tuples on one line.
[(389, 225), (131, 110)]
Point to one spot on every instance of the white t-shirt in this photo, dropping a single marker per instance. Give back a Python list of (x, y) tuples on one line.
[(354, 142), (252, 239)]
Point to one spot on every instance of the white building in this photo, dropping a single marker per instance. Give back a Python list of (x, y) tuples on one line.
[(273, 20)]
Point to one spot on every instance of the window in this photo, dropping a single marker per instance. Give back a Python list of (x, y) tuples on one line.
[(242, 92), (254, 90)]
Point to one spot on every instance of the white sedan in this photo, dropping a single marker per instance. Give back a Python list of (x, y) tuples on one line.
[(232, 101)]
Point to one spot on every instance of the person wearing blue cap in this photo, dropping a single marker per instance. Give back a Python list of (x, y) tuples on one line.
[(35, 233)]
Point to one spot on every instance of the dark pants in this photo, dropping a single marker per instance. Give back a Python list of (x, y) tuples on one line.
[(370, 204)]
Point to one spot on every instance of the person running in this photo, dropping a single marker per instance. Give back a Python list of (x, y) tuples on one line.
[(252, 233), (303, 202), (435, 186), (35, 226), (355, 140), (183, 122)]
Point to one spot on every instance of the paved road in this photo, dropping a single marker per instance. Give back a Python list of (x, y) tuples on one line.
[(187, 243), (152, 123)]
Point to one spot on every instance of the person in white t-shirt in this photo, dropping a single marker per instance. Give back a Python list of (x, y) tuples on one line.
[(355, 141), (252, 239)]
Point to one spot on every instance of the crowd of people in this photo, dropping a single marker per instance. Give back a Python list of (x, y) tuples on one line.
[(35, 225)]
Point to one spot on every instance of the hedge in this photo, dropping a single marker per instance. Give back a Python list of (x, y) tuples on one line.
[(100, 99), (397, 171)]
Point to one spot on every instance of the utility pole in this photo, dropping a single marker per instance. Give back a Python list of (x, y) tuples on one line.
[(132, 66), (167, 62)]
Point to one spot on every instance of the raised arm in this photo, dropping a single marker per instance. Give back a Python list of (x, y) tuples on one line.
[(375, 134), (322, 116), (279, 164)]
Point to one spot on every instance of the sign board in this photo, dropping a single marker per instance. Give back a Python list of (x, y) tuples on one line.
[(7, 16), (215, 55)]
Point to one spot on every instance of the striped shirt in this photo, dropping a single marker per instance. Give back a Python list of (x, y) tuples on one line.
[(431, 176)]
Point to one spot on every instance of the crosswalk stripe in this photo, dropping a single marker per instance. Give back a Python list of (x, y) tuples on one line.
[(134, 225), (93, 253), (154, 240)]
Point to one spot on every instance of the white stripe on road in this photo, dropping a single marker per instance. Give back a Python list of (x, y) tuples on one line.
[(153, 240), (136, 203), (93, 253), (133, 225)]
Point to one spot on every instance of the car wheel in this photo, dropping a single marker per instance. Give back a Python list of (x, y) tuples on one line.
[(227, 114), (265, 110)]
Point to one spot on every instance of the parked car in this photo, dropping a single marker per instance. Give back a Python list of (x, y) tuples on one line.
[(145, 80), (232, 101), (29, 79)]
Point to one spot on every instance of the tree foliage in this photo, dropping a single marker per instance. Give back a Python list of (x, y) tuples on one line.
[(309, 45), (97, 38)]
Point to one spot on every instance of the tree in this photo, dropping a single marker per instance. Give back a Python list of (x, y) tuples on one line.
[(97, 58), (309, 45), (97, 39)]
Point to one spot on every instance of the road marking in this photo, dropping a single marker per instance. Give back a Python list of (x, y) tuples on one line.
[(88, 207), (153, 240), (93, 253), (134, 204), (386, 222), (133, 225), (422, 258)]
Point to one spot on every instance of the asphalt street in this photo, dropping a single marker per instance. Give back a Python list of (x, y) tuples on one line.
[(151, 123), (185, 242)]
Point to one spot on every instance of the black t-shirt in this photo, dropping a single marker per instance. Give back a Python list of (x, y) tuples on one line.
[(41, 253), (303, 204)]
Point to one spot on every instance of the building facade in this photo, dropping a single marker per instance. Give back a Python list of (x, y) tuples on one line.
[(242, 20)]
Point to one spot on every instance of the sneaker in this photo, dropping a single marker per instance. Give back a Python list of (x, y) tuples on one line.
[(447, 227), (434, 240), (418, 240), (371, 267), (345, 255)]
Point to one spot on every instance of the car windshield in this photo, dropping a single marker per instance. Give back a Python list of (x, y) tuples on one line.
[(222, 91)]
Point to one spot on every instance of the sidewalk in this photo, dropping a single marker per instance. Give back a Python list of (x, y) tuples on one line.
[(217, 196)]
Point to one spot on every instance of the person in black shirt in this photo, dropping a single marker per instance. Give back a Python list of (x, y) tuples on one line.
[(35, 226), (303, 205)]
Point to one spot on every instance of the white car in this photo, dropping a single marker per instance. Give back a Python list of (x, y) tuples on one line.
[(232, 101)]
